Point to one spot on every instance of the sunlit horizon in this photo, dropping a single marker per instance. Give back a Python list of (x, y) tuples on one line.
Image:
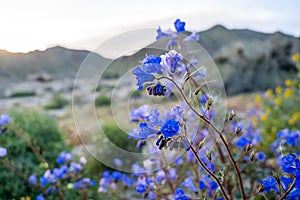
[(34, 25)]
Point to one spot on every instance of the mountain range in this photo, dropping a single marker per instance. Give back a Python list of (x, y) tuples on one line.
[(244, 57)]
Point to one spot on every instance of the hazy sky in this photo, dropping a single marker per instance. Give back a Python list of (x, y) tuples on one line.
[(83, 24)]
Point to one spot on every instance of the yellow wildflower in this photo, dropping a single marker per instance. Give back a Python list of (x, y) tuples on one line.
[(288, 92), (268, 110), (258, 99), (277, 101), (296, 57), (288, 82), (291, 121), (269, 93), (295, 116), (263, 117), (278, 90)]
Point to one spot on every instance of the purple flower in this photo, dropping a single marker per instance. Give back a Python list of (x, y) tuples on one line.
[(179, 195), (261, 156), (170, 128), (289, 163), (188, 182), (270, 184), (170, 61), (151, 64), (33, 179), (179, 25), (142, 77), (3, 152), (160, 34), (193, 37)]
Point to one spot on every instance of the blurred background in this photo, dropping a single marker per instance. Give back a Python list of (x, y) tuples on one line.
[(43, 44)]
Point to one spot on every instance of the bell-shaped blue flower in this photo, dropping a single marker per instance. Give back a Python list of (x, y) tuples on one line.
[(151, 64), (170, 128), (142, 77), (179, 25)]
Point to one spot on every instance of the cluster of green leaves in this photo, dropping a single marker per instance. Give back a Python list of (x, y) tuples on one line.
[(44, 134), (58, 102), (22, 94), (102, 100)]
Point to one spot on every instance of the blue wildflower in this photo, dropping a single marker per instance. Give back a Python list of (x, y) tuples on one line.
[(170, 128), (145, 131), (160, 176), (40, 197), (3, 152), (140, 113), (286, 182), (64, 157), (261, 156), (179, 195), (294, 194), (188, 182), (75, 167), (4, 121), (141, 185), (289, 163), (242, 142), (171, 60), (142, 77), (33, 179), (160, 34), (270, 184), (173, 174), (194, 36), (127, 181), (78, 184), (153, 118), (116, 175), (202, 185), (179, 25), (151, 64), (151, 195), (118, 162)]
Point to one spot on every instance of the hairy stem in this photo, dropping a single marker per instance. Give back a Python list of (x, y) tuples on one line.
[(289, 190)]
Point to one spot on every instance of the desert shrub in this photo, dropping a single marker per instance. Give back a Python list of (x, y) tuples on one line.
[(102, 100), (22, 94), (44, 134), (280, 109), (58, 102)]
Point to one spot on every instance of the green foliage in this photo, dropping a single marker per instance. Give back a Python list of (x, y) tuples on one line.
[(102, 100), (58, 102), (280, 110), (98, 88), (22, 94), (44, 134)]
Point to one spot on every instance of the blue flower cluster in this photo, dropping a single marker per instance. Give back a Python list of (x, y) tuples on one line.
[(67, 170), (4, 122)]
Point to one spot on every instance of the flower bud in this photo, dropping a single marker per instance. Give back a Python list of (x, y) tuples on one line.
[(252, 155), (208, 155), (238, 130), (231, 115), (249, 147)]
